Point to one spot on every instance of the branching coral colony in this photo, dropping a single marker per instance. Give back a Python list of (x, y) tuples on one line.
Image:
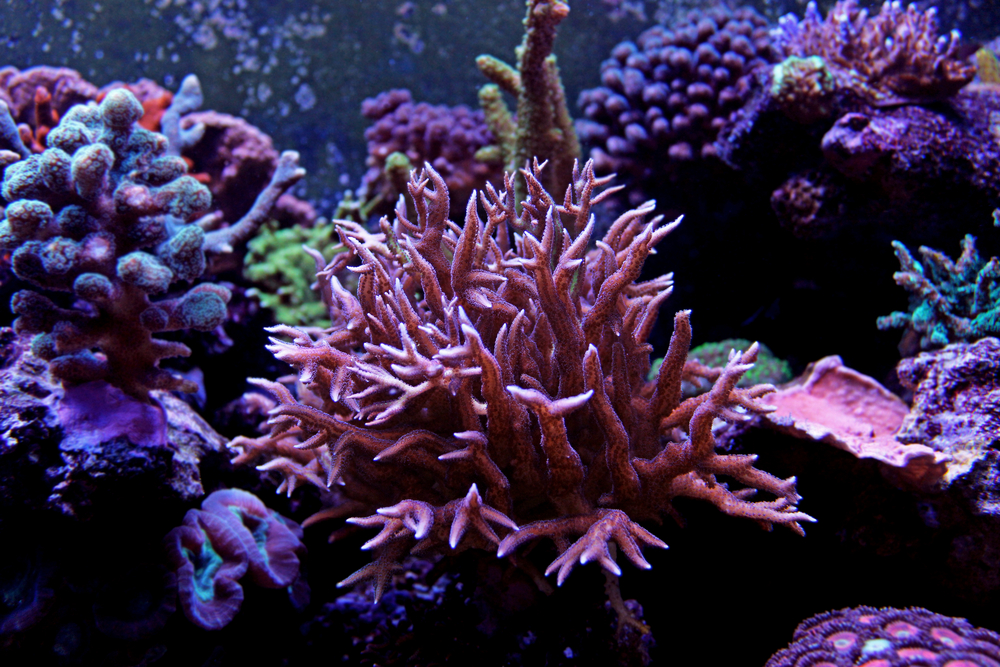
[(486, 387), (107, 215)]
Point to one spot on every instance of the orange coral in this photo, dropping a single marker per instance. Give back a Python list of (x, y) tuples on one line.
[(487, 386)]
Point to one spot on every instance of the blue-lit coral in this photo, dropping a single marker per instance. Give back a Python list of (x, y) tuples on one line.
[(233, 534), (104, 214), (893, 57), (950, 301)]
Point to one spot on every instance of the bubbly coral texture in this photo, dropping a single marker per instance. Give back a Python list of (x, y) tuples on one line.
[(881, 637), (107, 214), (486, 386), (666, 97)]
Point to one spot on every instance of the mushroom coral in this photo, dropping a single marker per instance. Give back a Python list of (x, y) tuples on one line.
[(209, 557)]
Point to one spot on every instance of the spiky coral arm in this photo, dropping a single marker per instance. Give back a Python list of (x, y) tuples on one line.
[(487, 385)]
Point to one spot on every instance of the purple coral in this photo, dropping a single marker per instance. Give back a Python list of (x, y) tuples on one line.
[(445, 137), (668, 95), (883, 637), (486, 386), (895, 56), (272, 545), (232, 533), (209, 557)]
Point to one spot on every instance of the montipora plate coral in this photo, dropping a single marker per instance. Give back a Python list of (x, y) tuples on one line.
[(486, 386)]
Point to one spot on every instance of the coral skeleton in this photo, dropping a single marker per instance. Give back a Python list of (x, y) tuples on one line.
[(486, 387)]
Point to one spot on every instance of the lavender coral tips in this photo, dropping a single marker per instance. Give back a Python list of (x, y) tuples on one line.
[(486, 386), (882, 637)]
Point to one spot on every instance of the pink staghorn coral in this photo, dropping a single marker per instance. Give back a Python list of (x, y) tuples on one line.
[(486, 387)]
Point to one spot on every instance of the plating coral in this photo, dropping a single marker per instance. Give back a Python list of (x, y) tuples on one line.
[(487, 387), (950, 301)]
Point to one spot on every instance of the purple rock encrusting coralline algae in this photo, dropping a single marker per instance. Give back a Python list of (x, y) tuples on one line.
[(56, 454), (445, 137), (665, 97), (887, 636), (877, 136), (956, 403)]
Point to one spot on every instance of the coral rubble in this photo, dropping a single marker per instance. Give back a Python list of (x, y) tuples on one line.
[(486, 387), (956, 402)]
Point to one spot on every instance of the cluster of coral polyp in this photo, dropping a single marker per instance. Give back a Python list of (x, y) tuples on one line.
[(893, 57), (445, 137), (486, 386), (872, 637), (670, 95), (103, 214)]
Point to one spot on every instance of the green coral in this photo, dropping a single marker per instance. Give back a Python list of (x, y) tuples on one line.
[(543, 128), (768, 369), (950, 301), (284, 272), (803, 88)]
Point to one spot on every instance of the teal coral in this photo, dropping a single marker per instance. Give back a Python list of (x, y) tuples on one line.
[(950, 301), (283, 271), (106, 214)]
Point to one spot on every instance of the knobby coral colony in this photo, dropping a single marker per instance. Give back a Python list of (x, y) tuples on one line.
[(490, 379), (104, 213)]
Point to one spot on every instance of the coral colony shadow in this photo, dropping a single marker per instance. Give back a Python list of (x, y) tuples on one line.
[(224, 380)]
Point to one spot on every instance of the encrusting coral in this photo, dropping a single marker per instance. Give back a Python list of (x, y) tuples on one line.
[(486, 387), (106, 215), (950, 301), (900, 637)]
